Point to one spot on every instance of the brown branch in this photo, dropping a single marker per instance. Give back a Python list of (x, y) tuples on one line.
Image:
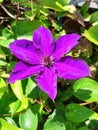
[(7, 12)]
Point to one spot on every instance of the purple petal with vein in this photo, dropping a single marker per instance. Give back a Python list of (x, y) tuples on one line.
[(47, 82), (45, 58), (23, 70), (43, 40), (64, 44), (24, 50), (70, 68)]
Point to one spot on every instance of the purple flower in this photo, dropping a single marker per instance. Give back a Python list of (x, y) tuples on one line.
[(45, 58)]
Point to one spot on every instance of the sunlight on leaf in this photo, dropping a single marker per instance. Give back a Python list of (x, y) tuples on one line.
[(28, 120), (17, 89), (4, 125), (92, 34), (86, 90)]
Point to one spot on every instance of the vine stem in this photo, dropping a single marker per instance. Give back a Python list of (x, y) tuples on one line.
[(7, 12)]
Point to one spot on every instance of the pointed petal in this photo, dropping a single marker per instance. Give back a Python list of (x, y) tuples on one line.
[(24, 50), (47, 82), (43, 40), (23, 70), (64, 44), (70, 68)]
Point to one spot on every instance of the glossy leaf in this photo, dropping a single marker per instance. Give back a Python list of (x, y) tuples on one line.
[(2, 87), (92, 34), (14, 106), (24, 105), (17, 89), (11, 121), (77, 113), (29, 86), (28, 120), (5, 42), (86, 90), (1, 1), (4, 125), (3, 63), (18, 106), (55, 121)]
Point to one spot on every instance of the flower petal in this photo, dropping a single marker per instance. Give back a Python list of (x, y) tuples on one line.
[(70, 68), (24, 50), (23, 70), (43, 40), (64, 44), (47, 82)]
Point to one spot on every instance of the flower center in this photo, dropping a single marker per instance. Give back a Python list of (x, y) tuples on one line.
[(47, 61)]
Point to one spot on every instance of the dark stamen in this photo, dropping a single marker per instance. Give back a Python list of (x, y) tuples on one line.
[(47, 60)]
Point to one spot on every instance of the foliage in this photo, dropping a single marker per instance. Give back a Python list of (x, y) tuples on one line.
[(23, 106)]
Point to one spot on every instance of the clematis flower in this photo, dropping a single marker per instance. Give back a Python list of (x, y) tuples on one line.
[(45, 58)]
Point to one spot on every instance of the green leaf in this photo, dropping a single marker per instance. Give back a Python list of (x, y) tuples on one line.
[(77, 113), (11, 121), (56, 26), (17, 89), (55, 121), (2, 54), (38, 108), (5, 42), (18, 106), (19, 30), (7, 32), (83, 128), (14, 106), (1, 1), (56, 35), (24, 104), (4, 102), (65, 95), (29, 86), (93, 124), (94, 17), (92, 34), (4, 125), (86, 90), (2, 62), (70, 126), (84, 8), (59, 105), (23, 3), (28, 120), (24, 29), (54, 4), (2, 87), (7, 37), (11, 65)]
